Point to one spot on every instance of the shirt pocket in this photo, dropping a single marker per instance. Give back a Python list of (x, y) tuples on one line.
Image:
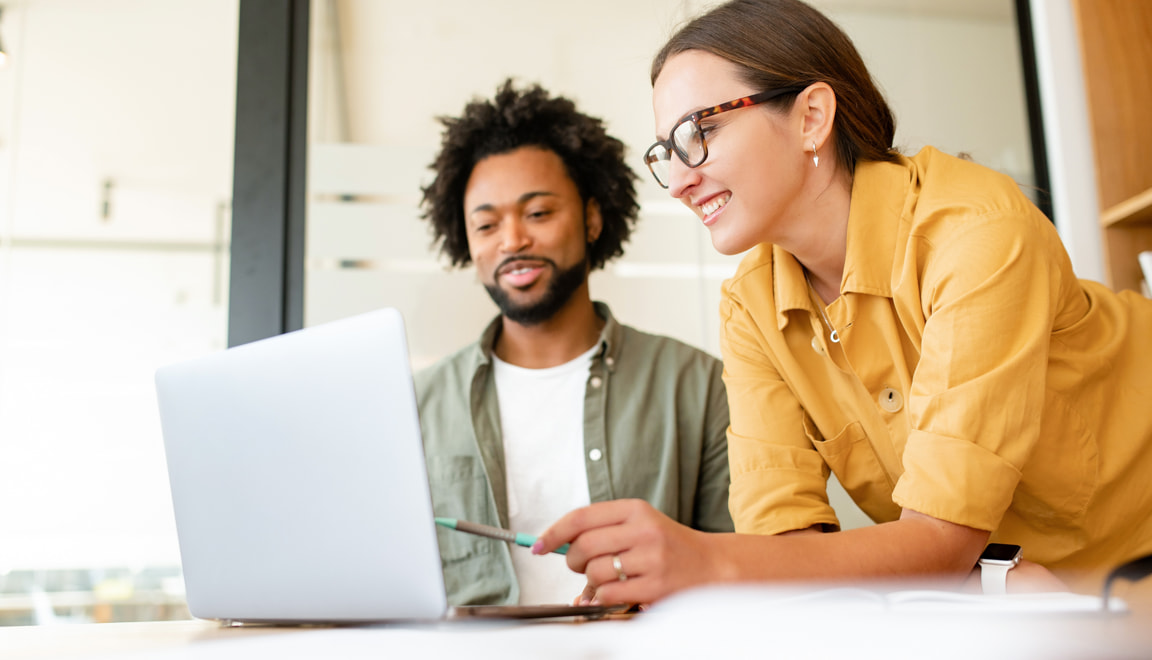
[(459, 488), (479, 580), (854, 462), (1061, 475)]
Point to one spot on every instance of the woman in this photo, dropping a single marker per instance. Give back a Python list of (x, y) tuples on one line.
[(911, 324)]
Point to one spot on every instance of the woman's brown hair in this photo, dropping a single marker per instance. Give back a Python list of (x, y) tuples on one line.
[(786, 43)]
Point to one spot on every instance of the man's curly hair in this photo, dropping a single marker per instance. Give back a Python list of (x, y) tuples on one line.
[(521, 118)]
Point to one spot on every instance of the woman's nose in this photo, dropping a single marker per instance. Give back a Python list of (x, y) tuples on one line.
[(681, 178)]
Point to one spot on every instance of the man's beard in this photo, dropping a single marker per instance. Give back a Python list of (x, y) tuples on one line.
[(559, 292)]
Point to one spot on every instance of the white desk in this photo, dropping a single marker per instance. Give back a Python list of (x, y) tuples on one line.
[(741, 623)]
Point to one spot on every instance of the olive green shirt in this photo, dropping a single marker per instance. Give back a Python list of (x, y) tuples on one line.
[(655, 422)]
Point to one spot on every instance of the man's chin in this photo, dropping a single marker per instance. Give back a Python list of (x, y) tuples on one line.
[(520, 306), (528, 314), (517, 305), (519, 298)]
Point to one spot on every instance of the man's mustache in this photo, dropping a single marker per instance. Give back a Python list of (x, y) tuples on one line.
[(523, 257)]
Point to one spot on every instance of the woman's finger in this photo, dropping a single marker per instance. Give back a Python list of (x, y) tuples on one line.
[(585, 596), (631, 591), (576, 522), (608, 568), (601, 542)]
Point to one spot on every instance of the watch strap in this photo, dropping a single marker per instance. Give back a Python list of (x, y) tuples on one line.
[(994, 578)]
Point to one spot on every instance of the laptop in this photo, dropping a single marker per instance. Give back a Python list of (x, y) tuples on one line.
[(299, 485)]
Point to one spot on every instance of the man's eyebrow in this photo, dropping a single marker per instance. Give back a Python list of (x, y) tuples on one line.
[(536, 193), (519, 200)]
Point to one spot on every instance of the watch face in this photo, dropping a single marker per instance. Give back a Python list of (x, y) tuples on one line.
[(1000, 552)]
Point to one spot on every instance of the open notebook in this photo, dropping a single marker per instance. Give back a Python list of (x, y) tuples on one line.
[(298, 480)]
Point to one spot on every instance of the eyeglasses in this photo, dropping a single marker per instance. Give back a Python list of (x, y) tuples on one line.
[(687, 138)]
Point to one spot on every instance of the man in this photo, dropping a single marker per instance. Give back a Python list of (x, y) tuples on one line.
[(557, 405)]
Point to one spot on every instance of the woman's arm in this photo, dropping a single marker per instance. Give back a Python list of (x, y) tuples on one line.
[(660, 557)]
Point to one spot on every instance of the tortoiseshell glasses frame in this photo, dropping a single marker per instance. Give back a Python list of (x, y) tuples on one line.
[(687, 138)]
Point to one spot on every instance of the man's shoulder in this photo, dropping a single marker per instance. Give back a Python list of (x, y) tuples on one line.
[(664, 371), (638, 345)]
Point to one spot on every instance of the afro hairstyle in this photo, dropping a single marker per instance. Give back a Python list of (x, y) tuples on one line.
[(530, 117)]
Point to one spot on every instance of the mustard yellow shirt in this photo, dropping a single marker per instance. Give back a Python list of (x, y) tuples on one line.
[(976, 380)]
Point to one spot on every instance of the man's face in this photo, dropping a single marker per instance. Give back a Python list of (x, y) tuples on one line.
[(528, 232)]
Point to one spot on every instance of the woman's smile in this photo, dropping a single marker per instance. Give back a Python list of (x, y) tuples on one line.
[(711, 208)]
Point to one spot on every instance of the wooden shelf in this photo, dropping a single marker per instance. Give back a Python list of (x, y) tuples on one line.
[(1117, 56), (1132, 210)]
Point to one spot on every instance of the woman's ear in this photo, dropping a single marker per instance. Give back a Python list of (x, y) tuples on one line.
[(818, 110)]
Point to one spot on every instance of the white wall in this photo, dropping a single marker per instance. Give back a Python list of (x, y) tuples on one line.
[(406, 63)]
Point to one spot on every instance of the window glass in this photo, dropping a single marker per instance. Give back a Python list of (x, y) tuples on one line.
[(115, 174)]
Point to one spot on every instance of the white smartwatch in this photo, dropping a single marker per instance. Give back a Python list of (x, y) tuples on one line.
[(995, 562)]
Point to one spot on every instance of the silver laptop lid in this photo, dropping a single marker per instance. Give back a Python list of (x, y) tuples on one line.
[(298, 478)]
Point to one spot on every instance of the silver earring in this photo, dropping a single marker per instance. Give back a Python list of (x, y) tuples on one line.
[(815, 158)]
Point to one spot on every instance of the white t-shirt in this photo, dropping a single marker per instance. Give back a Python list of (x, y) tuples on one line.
[(542, 419)]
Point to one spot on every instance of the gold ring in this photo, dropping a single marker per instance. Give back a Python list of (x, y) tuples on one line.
[(620, 574)]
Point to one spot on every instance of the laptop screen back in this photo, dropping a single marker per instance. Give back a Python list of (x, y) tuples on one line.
[(298, 478)]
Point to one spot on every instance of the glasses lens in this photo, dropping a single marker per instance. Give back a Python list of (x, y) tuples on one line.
[(689, 142), (659, 162)]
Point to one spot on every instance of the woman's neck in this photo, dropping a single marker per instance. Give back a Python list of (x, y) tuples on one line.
[(820, 243)]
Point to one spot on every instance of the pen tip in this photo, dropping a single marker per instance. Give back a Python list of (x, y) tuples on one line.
[(446, 522)]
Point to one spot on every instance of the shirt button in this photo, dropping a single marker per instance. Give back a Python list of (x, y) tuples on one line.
[(816, 346), (595, 382), (595, 454), (891, 400), (609, 361)]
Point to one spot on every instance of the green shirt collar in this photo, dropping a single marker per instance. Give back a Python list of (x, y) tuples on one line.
[(610, 339)]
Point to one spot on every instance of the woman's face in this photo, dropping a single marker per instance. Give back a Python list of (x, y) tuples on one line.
[(746, 189)]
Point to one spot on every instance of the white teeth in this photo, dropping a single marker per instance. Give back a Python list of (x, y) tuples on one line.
[(714, 205), (519, 271)]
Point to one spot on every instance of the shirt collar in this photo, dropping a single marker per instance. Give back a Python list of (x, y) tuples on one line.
[(610, 338), (880, 193), (790, 287)]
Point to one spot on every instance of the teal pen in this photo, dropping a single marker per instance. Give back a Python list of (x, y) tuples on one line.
[(526, 540)]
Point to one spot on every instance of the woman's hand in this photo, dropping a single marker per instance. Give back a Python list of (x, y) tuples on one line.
[(630, 552)]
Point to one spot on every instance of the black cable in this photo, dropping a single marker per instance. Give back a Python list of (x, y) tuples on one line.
[(1133, 571)]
